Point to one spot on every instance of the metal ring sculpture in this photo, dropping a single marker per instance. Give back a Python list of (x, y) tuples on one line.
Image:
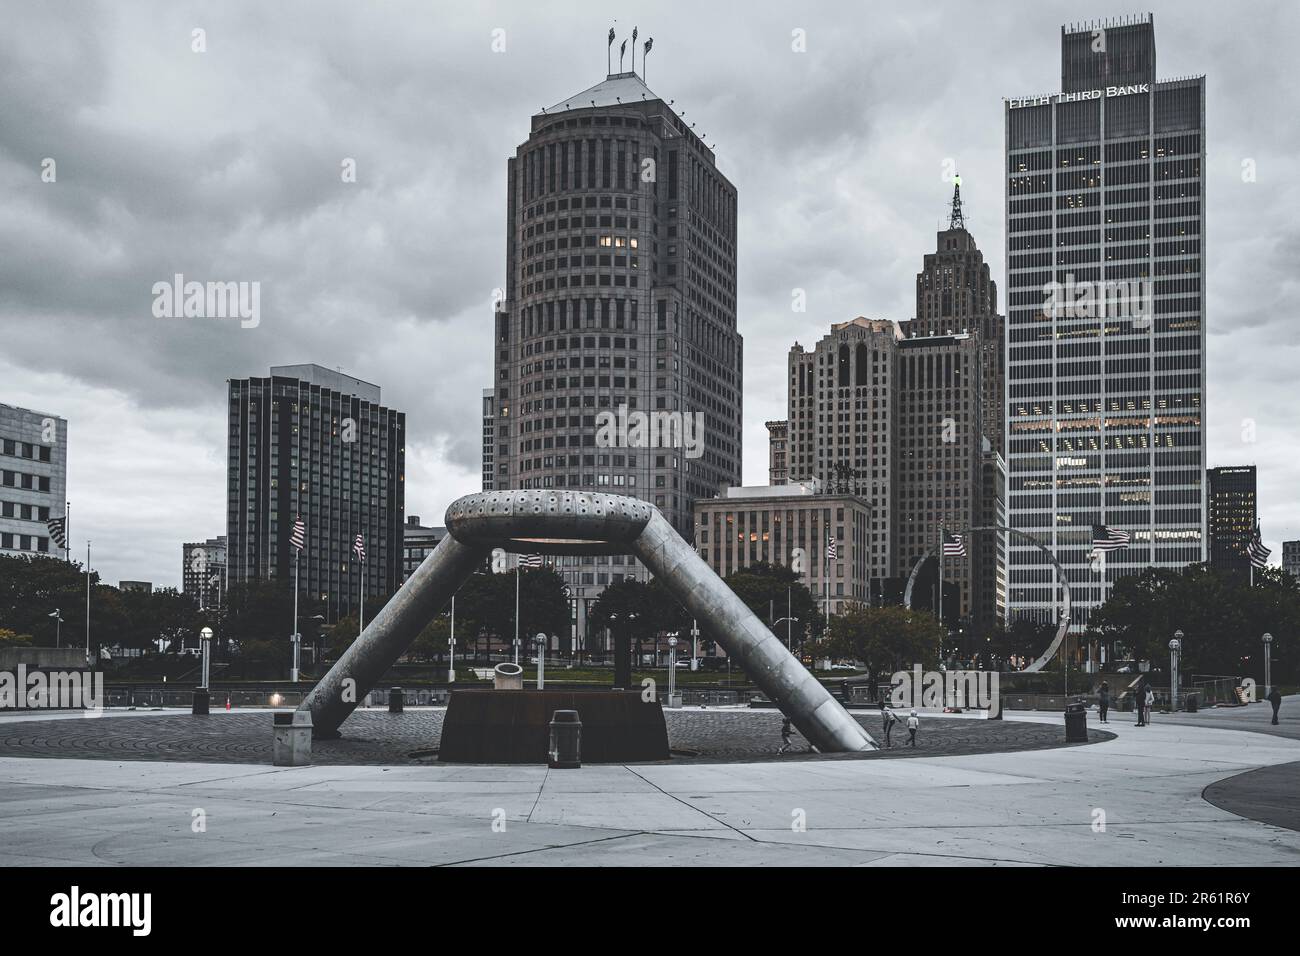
[(1064, 625)]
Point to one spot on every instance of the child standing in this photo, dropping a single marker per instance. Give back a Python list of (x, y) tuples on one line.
[(913, 724)]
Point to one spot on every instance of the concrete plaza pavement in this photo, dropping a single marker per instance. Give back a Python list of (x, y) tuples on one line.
[(1024, 808)]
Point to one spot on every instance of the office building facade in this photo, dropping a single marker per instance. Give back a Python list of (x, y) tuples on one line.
[(1232, 514), (1291, 558), (203, 570), (33, 479), (418, 542), (1105, 318), (791, 525), (620, 301), (312, 443)]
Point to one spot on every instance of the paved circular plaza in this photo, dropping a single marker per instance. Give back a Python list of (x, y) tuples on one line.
[(375, 737)]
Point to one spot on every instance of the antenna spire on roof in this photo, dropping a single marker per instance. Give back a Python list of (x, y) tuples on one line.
[(955, 221)]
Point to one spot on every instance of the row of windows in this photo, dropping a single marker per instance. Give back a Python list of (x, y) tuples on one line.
[(22, 449), (24, 542), (18, 479), (24, 512), (1115, 152)]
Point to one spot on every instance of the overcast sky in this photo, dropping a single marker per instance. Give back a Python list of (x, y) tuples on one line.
[(225, 165)]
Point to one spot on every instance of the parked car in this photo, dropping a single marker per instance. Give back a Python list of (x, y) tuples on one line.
[(843, 667)]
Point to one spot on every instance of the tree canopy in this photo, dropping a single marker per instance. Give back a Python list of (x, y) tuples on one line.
[(1221, 616)]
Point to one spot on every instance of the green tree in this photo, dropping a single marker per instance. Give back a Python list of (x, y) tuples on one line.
[(767, 590), (1221, 615), (10, 638), (630, 609), (31, 587), (885, 639)]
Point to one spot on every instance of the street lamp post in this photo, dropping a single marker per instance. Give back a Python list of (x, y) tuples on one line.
[(695, 645), (451, 645), (58, 626), (1175, 655), (205, 641), (540, 640), (1268, 664), (672, 671)]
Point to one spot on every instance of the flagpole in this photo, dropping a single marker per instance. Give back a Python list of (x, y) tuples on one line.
[(67, 531), (87, 602), (940, 560), (296, 556), (516, 610), (362, 562)]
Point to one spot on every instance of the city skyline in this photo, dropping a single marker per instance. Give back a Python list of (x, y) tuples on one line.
[(837, 201)]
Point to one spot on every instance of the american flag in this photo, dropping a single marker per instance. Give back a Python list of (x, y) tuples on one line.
[(58, 528), (954, 546), (1257, 552), (832, 548), (530, 560), (1109, 539), (299, 537), (359, 549)]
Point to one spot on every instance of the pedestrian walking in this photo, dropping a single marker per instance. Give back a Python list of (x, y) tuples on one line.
[(1275, 698), (1140, 699), (1103, 700), (787, 729), (1150, 702), (890, 719), (913, 724)]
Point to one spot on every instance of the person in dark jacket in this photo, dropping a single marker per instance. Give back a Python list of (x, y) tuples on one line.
[(1103, 700), (1275, 698), (890, 719), (1140, 696)]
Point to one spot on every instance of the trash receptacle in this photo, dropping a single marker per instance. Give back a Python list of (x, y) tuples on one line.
[(202, 701), (1192, 703), (1076, 723), (394, 700), (292, 739), (508, 676), (566, 741)]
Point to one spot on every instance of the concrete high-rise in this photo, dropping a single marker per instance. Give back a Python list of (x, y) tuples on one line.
[(620, 299), (314, 443), (1105, 317), (843, 419), (1232, 513), (33, 479)]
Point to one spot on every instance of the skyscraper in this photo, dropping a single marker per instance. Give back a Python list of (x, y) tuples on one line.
[(843, 416), (1105, 331), (1232, 514), (954, 293), (620, 300), (311, 443)]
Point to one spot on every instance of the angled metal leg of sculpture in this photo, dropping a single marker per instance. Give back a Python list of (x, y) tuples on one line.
[(385, 638), (790, 685)]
